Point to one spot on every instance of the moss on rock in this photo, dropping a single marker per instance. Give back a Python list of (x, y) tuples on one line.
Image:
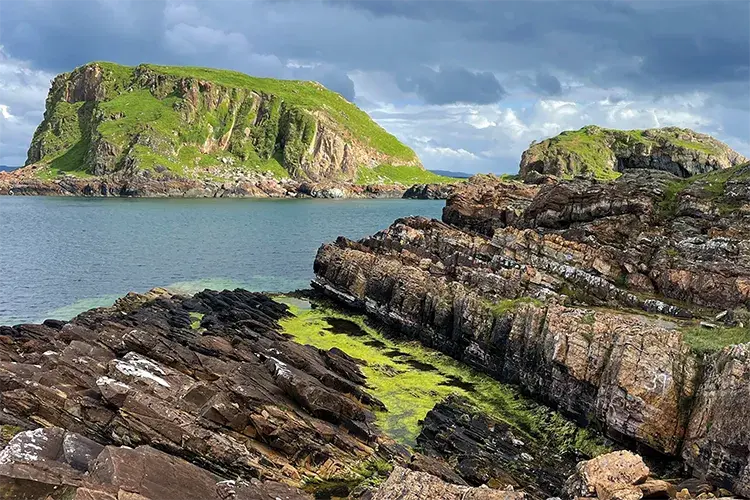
[(411, 379)]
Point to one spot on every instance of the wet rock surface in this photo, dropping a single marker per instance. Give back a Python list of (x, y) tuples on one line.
[(588, 295), (483, 450)]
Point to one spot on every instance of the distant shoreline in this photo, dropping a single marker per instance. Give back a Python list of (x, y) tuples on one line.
[(105, 187)]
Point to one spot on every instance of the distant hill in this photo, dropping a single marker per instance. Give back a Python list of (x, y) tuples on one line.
[(172, 122), (605, 153), (451, 173), (6, 168)]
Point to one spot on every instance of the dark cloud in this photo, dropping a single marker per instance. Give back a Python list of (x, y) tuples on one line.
[(548, 84), (453, 85), (654, 46), (635, 50)]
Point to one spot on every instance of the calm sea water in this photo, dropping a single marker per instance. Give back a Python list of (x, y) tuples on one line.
[(61, 256)]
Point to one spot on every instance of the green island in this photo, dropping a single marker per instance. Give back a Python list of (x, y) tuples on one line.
[(602, 153), (170, 123)]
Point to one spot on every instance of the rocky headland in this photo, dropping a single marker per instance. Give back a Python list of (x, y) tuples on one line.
[(155, 131), (622, 303), (606, 153)]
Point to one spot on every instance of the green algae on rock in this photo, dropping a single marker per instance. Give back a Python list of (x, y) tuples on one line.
[(411, 379), (605, 153), (185, 122)]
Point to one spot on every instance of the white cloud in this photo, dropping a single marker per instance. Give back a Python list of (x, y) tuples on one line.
[(492, 137), (453, 153), (5, 112), (23, 91)]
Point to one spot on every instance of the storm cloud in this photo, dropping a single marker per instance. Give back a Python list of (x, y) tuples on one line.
[(468, 84)]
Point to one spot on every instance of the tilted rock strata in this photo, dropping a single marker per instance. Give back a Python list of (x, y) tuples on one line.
[(232, 396), (628, 373), (485, 450), (486, 203), (52, 463), (638, 243)]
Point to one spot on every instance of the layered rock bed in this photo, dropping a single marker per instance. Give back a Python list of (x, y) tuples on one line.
[(164, 397), (623, 304)]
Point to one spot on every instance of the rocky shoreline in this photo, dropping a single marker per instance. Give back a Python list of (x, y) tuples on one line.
[(24, 183), (619, 303), (164, 397)]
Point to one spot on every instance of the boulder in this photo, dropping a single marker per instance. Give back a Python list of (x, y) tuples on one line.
[(404, 484), (611, 476)]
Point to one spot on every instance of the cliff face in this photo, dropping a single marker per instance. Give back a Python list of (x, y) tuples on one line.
[(618, 302), (167, 123), (604, 153)]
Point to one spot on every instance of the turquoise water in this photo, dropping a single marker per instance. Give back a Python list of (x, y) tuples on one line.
[(61, 256)]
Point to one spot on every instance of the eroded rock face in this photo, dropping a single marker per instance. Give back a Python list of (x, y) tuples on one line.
[(509, 285), (242, 122), (717, 443), (487, 203), (232, 396), (404, 484)]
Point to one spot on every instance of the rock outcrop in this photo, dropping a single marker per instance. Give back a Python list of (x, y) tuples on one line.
[(404, 484), (610, 301), (206, 379), (603, 153), (619, 475), (173, 131), (484, 450), (53, 464)]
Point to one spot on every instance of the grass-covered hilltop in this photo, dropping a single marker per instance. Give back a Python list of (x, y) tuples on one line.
[(604, 153), (170, 122)]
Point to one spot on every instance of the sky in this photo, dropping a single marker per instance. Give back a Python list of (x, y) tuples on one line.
[(467, 84)]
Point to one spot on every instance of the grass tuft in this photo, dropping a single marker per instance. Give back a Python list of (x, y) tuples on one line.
[(704, 340)]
